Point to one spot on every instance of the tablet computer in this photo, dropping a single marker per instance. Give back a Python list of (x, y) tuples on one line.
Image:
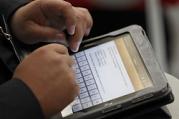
[(116, 72)]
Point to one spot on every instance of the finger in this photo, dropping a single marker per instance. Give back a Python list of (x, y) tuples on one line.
[(83, 27), (58, 48), (64, 59), (76, 39), (73, 81), (87, 19), (62, 8), (76, 86), (68, 60)]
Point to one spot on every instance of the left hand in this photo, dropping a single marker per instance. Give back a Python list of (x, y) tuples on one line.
[(46, 21)]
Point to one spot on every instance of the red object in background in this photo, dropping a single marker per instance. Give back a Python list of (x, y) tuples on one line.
[(170, 2), (81, 3), (140, 6), (90, 5)]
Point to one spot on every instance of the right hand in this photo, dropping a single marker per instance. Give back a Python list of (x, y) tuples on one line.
[(47, 21), (48, 73)]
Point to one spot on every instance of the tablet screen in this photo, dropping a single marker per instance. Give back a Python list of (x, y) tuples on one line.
[(106, 72)]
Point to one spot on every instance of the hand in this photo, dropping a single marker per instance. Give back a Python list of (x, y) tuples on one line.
[(46, 20), (48, 73)]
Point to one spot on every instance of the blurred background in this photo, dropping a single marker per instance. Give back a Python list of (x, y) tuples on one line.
[(159, 18)]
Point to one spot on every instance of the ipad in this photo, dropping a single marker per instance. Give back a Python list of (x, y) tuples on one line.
[(113, 70), (116, 72)]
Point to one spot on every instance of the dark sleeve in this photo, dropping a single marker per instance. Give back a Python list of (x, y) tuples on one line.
[(7, 7), (18, 102)]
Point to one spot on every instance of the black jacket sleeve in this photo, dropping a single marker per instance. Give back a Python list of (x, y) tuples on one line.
[(18, 102), (16, 99), (7, 7)]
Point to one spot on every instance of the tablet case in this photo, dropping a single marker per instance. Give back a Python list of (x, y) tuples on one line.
[(155, 110), (137, 110), (147, 111)]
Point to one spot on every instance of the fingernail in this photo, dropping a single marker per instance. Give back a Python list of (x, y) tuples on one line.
[(76, 46), (71, 30)]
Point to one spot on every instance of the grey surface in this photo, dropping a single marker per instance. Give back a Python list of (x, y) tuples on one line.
[(172, 13), (174, 107), (155, 27)]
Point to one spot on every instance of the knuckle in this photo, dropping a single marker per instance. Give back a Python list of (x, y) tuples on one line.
[(86, 17), (67, 5), (75, 90), (89, 23), (71, 61), (83, 16), (63, 61), (43, 50), (60, 48), (85, 11), (71, 77), (72, 83), (73, 87), (64, 49)]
